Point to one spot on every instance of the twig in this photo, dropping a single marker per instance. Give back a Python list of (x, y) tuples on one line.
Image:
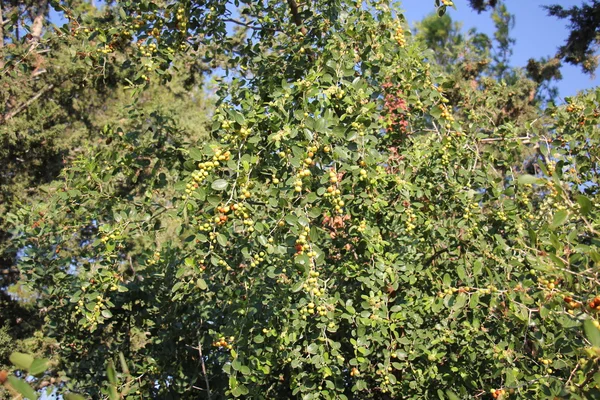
[(248, 25), (524, 139), (588, 377), (23, 106), (204, 370)]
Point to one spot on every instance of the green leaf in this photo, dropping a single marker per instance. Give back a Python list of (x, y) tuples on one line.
[(460, 271), (245, 370), (112, 393), (73, 396), (451, 395), (201, 284), (22, 388), (584, 203), (222, 239), (111, 373), (123, 362), (240, 390), (291, 219), (106, 313), (297, 286), (38, 366), (21, 360), (529, 180), (219, 184), (559, 218), (591, 332), (196, 154)]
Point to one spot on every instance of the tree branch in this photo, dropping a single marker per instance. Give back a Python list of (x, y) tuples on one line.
[(296, 15), (248, 25), (23, 106), (238, 22)]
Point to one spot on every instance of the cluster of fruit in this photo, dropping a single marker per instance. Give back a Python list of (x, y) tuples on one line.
[(469, 210), (410, 220), (550, 284), (334, 92), (492, 256), (466, 289), (113, 236), (312, 309), (155, 258), (302, 242), (501, 215), (595, 303), (312, 284), (360, 128), (399, 36), (223, 343), (258, 258), (244, 132), (362, 225), (303, 173), (334, 194), (363, 174), (147, 50), (498, 393)]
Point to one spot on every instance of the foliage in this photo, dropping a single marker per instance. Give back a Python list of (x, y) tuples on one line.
[(582, 44), (55, 104), (358, 225)]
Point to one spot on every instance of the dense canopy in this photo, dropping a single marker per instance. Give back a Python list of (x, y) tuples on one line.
[(288, 200)]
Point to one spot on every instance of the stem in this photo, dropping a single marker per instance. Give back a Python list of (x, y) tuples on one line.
[(204, 370)]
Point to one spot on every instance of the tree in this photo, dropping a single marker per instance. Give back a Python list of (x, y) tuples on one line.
[(341, 235), (581, 46), (55, 105)]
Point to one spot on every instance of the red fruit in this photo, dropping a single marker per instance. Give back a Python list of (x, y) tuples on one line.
[(3, 376)]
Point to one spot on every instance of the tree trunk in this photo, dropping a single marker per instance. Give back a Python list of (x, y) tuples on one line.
[(38, 22), (296, 15), (1, 27)]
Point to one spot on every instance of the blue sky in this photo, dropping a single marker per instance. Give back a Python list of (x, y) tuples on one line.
[(537, 34)]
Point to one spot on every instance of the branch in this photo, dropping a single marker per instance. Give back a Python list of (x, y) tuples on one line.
[(204, 369), (296, 15), (23, 106), (523, 139), (238, 22), (435, 255)]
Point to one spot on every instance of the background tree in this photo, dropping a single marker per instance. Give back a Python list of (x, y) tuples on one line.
[(55, 105), (581, 46)]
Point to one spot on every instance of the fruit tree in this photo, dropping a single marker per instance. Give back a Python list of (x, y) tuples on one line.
[(342, 234)]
